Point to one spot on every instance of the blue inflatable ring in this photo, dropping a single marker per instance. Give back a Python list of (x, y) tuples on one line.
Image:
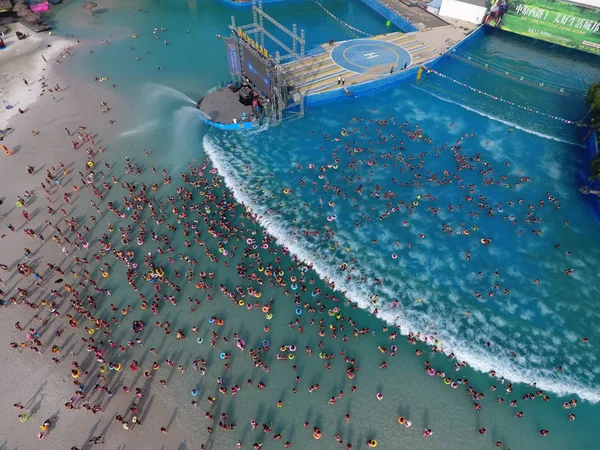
[(265, 343), (298, 311), (222, 355)]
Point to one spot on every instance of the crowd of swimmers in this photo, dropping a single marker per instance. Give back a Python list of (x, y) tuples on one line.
[(139, 241)]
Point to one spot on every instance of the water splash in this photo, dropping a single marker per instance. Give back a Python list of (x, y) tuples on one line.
[(159, 92)]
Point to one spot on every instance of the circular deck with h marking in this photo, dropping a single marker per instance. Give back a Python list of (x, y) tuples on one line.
[(372, 56)]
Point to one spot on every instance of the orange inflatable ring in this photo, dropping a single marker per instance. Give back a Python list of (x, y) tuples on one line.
[(317, 434), (265, 309)]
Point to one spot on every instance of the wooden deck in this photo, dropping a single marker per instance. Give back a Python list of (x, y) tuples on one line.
[(321, 73)]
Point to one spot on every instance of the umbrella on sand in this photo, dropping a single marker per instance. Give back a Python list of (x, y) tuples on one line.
[(90, 6)]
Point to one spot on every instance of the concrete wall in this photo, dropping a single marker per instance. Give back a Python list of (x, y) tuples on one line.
[(477, 34), (392, 16), (463, 11)]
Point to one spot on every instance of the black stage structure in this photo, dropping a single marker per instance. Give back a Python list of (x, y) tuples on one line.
[(258, 75)]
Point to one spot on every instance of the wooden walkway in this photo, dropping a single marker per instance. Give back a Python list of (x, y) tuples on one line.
[(321, 73)]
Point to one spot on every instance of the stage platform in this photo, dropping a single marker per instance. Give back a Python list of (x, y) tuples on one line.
[(358, 61), (222, 106)]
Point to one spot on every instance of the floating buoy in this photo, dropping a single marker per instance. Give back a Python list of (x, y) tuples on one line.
[(388, 23)]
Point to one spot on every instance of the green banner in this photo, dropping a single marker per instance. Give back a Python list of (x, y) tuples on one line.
[(559, 22)]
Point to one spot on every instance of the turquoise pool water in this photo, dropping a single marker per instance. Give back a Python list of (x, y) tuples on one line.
[(389, 197)]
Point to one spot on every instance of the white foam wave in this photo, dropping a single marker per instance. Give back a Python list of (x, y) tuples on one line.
[(409, 317)]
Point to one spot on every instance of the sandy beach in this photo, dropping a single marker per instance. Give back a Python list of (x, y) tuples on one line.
[(39, 384), (166, 285)]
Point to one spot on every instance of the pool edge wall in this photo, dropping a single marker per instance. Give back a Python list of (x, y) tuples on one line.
[(249, 3), (240, 126), (390, 15)]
